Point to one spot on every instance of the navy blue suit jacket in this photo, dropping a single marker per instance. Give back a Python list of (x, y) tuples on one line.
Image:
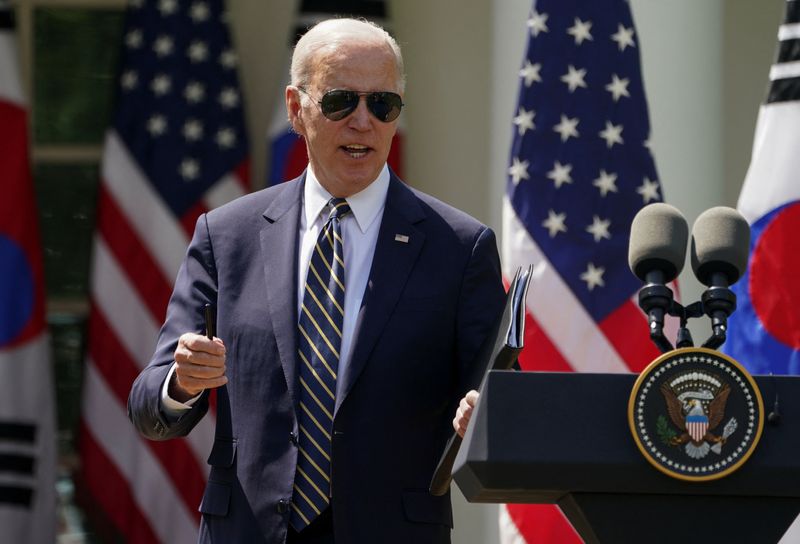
[(428, 305)]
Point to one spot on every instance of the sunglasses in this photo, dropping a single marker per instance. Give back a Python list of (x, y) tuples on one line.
[(338, 104)]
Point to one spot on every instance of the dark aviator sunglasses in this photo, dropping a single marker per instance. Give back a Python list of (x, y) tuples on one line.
[(338, 104)]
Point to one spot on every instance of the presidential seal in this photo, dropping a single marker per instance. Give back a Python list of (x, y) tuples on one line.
[(696, 414)]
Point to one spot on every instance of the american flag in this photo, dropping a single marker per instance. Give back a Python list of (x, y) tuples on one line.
[(27, 414), (764, 331), (580, 168), (177, 148)]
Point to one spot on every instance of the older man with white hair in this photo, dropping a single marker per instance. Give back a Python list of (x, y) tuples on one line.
[(349, 311)]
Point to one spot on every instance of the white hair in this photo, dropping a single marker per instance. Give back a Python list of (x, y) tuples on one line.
[(330, 34)]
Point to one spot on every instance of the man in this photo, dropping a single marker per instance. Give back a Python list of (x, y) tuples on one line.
[(336, 389)]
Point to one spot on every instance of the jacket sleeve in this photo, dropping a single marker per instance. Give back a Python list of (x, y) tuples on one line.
[(480, 303), (195, 286)]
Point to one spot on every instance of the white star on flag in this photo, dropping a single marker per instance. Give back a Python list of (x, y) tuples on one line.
[(198, 51), (623, 37), (199, 12), (593, 276), (161, 84), (167, 7), (530, 73), (134, 39), (524, 120), (567, 127), (574, 78), (612, 134), (537, 23), (618, 87), (226, 138), (157, 125), (229, 98), (163, 46), (649, 190), (194, 92), (228, 59), (518, 170), (129, 80), (193, 130), (560, 174), (555, 223), (580, 31), (607, 183), (599, 228), (190, 169)]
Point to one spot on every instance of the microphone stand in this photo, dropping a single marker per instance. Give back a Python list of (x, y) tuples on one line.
[(718, 302), (656, 300), (684, 313)]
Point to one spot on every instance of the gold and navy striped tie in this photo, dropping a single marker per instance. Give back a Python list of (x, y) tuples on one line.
[(320, 337)]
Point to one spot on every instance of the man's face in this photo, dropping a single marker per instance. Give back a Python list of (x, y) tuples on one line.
[(346, 155)]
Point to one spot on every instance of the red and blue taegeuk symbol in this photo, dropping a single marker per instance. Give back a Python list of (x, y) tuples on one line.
[(764, 332), (17, 291)]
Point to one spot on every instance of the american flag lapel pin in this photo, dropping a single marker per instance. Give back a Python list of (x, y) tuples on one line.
[(401, 238)]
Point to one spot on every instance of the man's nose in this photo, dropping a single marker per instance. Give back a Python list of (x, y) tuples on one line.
[(360, 118)]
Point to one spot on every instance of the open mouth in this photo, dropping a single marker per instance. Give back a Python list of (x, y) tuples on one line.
[(356, 151)]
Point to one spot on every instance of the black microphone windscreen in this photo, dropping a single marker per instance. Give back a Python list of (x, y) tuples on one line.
[(659, 233), (720, 243)]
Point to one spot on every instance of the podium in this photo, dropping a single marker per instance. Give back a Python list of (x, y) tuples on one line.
[(563, 438)]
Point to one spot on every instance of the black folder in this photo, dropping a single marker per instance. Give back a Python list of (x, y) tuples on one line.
[(498, 352)]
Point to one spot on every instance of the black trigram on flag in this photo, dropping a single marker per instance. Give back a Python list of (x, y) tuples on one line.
[(17, 463)]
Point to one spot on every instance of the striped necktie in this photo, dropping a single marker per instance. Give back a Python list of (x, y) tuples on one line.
[(319, 340)]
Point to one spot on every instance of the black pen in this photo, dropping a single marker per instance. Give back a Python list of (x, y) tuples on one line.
[(209, 314)]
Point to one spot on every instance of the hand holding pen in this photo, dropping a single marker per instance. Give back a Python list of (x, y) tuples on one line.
[(200, 361)]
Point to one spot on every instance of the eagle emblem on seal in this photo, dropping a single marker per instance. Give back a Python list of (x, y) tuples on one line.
[(696, 406), (695, 414)]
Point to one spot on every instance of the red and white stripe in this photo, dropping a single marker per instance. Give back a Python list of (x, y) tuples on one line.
[(151, 490), (561, 336), (697, 430)]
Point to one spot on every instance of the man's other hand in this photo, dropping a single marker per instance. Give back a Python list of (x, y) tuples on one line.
[(464, 412)]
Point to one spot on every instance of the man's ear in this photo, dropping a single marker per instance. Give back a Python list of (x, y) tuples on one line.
[(294, 110)]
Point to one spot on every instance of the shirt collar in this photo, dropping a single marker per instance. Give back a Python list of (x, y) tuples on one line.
[(365, 205)]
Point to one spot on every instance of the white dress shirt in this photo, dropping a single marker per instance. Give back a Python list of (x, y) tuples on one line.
[(359, 234)]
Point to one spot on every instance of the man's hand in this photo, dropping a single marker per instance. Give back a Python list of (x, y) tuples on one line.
[(200, 365), (464, 412)]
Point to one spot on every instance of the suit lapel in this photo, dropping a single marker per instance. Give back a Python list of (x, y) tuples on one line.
[(392, 263), (279, 247)]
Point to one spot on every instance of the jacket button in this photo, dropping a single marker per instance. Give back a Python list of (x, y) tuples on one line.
[(293, 438), (283, 506)]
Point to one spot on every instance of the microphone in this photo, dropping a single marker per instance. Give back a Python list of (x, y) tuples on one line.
[(719, 251), (656, 253)]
